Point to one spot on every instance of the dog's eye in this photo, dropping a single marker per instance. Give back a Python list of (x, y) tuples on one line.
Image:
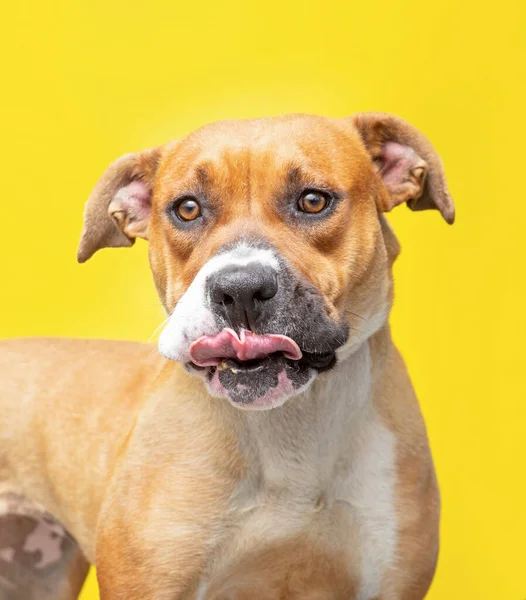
[(187, 209), (313, 202)]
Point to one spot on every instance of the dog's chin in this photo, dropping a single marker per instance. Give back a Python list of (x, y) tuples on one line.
[(264, 383)]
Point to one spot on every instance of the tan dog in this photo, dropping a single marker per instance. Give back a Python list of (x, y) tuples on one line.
[(273, 260)]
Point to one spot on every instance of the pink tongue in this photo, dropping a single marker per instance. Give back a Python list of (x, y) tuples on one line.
[(210, 350)]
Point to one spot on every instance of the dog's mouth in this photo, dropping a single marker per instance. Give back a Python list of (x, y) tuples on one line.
[(256, 371), (212, 350)]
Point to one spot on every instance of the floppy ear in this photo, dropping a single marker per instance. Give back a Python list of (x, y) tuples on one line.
[(409, 166), (118, 209)]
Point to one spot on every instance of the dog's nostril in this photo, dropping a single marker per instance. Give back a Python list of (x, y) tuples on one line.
[(219, 295), (262, 295), (228, 300), (267, 290)]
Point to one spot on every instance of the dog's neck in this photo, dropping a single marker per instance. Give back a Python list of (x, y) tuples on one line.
[(303, 443), (325, 452)]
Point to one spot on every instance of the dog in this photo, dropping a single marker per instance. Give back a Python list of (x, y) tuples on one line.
[(274, 448)]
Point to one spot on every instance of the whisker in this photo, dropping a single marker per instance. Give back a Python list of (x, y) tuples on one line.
[(357, 315), (156, 330), (356, 329)]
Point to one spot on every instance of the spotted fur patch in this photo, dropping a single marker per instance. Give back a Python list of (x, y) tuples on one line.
[(35, 551)]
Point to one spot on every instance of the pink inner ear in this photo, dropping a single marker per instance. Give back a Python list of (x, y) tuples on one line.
[(134, 198), (131, 207), (402, 171)]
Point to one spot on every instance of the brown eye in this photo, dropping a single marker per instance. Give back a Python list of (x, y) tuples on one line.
[(313, 202), (188, 209)]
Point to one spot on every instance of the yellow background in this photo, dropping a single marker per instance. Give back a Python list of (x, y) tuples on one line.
[(86, 81)]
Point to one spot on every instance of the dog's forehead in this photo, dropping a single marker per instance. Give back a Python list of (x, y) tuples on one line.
[(303, 139), (262, 132)]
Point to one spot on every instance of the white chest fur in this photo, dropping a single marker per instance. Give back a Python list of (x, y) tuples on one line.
[(324, 453)]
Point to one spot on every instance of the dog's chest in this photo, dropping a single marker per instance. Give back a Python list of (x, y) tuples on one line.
[(363, 498), (333, 476)]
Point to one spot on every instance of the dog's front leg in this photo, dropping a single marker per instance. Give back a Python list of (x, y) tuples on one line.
[(166, 506), (140, 558), (154, 540)]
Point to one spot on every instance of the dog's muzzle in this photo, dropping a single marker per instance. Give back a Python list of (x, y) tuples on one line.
[(253, 328)]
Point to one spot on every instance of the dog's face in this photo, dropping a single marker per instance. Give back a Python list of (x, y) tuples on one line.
[(267, 246)]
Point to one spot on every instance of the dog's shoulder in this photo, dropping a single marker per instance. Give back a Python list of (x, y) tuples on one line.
[(57, 348)]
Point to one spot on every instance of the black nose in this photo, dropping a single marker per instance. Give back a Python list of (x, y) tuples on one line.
[(240, 293)]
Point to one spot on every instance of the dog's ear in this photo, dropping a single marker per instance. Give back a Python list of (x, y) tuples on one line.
[(118, 209), (409, 166)]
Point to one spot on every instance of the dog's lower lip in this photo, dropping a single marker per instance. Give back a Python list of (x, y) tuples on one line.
[(319, 360), (248, 366), (233, 365), (315, 360), (197, 367)]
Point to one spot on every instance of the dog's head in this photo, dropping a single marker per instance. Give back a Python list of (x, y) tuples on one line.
[(267, 243)]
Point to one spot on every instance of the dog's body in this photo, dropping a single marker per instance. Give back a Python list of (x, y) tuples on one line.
[(174, 493)]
